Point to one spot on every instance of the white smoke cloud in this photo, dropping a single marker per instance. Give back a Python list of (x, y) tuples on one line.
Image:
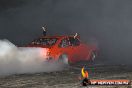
[(17, 60)]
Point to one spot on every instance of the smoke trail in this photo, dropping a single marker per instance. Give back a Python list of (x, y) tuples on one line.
[(14, 60)]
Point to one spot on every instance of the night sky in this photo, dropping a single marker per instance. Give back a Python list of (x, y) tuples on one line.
[(106, 22)]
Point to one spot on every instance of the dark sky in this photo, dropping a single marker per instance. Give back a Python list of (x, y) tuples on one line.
[(108, 22)]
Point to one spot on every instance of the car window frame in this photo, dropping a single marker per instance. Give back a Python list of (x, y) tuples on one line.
[(75, 45), (59, 45)]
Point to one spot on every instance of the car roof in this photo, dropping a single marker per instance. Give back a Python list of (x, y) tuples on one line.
[(60, 36)]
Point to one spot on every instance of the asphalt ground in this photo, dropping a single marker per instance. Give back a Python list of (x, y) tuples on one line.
[(69, 77)]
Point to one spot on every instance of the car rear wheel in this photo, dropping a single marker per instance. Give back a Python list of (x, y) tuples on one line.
[(63, 59)]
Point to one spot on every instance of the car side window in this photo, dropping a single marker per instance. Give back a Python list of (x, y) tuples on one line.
[(64, 43), (74, 41), (45, 41)]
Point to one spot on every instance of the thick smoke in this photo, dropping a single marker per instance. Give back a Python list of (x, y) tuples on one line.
[(15, 60), (107, 22)]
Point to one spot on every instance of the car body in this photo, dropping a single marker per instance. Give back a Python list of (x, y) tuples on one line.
[(72, 47)]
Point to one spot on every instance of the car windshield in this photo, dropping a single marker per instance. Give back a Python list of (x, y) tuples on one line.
[(44, 41)]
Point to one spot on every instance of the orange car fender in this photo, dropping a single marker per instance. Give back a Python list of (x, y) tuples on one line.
[(55, 54)]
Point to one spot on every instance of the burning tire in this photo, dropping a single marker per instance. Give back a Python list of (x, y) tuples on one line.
[(63, 59)]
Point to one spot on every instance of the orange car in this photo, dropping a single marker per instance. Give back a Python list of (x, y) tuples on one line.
[(66, 49)]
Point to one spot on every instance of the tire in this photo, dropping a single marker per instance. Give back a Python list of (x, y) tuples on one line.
[(63, 59), (93, 56)]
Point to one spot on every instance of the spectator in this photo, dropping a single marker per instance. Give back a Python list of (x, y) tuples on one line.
[(44, 30)]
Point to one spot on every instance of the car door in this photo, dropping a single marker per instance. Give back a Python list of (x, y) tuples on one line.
[(75, 45), (65, 48)]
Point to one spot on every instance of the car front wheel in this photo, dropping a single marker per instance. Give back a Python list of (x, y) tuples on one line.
[(63, 59), (93, 56)]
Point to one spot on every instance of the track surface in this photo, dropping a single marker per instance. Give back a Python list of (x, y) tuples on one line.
[(68, 78)]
